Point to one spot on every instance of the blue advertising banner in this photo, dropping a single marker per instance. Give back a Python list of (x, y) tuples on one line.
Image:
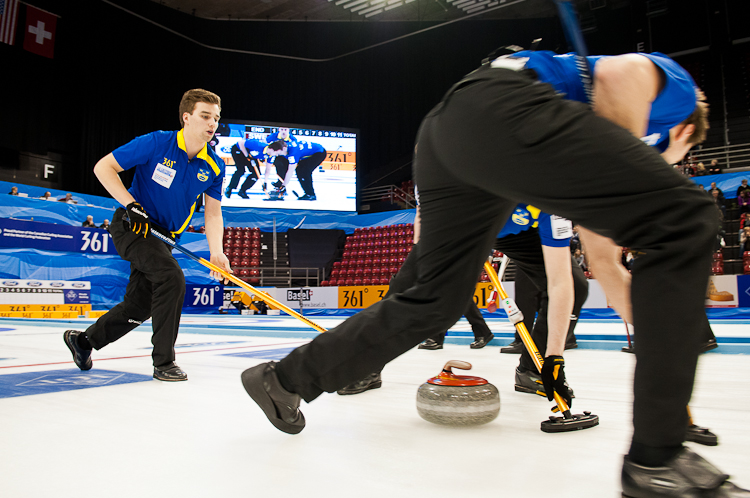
[(52, 237), (743, 289), (204, 297)]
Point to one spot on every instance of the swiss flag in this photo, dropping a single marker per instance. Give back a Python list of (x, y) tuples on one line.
[(40, 32)]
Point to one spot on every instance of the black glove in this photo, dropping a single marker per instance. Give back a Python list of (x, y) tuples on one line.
[(553, 378), (139, 220), (265, 187)]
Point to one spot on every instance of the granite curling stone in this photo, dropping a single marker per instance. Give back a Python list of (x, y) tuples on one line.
[(458, 400)]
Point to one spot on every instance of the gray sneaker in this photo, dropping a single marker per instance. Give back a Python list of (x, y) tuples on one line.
[(687, 475)]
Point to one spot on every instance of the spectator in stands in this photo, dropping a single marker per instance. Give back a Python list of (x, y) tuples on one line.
[(743, 201), (719, 201), (700, 170), (721, 192), (47, 196), (714, 169), (13, 191), (575, 240), (745, 240), (743, 186), (105, 225), (68, 198), (89, 223), (579, 258), (720, 243), (701, 188)]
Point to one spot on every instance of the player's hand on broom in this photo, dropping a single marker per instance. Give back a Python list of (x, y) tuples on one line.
[(139, 220), (222, 262), (553, 378)]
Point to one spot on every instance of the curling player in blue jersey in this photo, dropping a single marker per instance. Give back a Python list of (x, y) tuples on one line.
[(587, 163), (249, 156), (172, 170), (303, 157)]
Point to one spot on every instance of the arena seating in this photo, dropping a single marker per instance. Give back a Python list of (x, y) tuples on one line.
[(242, 247)]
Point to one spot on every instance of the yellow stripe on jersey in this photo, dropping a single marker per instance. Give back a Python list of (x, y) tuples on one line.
[(181, 141), (534, 212), (185, 225), (203, 154)]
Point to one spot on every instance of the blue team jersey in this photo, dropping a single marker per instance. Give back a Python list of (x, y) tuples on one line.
[(302, 150), (673, 105), (166, 183), (553, 230), (256, 149)]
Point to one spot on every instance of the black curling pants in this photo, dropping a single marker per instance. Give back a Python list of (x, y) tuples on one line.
[(156, 289), (305, 170), (499, 138)]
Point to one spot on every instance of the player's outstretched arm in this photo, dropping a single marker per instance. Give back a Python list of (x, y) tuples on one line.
[(604, 260), (560, 291), (107, 172), (215, 235)]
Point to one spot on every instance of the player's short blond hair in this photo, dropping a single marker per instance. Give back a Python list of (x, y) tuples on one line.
[(699, 118), (192, 97)]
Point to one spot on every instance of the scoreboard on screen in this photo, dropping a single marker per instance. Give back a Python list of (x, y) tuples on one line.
[(356, 297)]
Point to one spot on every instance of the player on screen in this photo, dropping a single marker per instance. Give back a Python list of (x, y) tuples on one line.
[(303, 158), (281, 162), (250, 155)]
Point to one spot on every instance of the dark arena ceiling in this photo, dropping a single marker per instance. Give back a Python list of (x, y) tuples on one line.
[(375, 10)]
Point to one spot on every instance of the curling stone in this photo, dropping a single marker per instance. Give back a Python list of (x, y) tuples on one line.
[(460, 400)]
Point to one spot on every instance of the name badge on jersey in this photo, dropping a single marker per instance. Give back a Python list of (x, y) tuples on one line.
[(562, 228), (163, 176)]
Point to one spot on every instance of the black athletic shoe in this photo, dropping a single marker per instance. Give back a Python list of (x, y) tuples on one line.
[(687, 475), (278, 184), (81, 357), (701, 435), (481, 342), (243, 195), (628, 349), (709, 345), (430, 344), (228, 193), (169, 373), (280, 406), (528, 381), (308, 197), (571, 345), (515, 347), (372, 381)]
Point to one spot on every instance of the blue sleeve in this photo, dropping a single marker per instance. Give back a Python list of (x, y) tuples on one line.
[(137, 151), (554, 230), (215, 189), (674, 104)]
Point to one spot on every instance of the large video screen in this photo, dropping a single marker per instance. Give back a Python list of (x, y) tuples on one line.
[(287, 166)]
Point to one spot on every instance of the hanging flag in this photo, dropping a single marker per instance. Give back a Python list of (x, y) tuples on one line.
[(8, 14), (40, 32)]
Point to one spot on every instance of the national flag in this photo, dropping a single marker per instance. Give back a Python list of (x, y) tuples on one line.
[(8, 15), (40, 32)]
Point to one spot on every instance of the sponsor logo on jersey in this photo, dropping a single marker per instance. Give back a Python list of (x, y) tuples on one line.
[(652, 139)]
